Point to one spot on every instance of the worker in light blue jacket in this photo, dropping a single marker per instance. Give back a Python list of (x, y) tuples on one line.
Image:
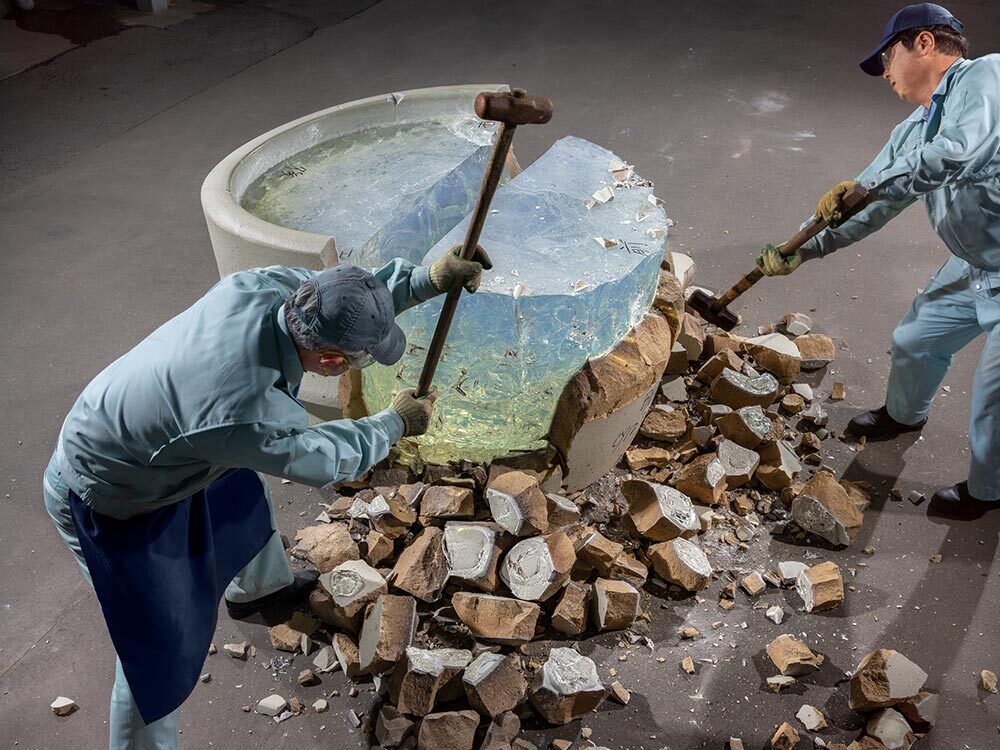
[(153, 483), (947, 153)]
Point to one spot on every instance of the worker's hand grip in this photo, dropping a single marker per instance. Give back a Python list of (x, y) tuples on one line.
[(853, 201)]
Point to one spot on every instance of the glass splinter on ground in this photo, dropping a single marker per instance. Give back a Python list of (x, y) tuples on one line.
[(558, 295)]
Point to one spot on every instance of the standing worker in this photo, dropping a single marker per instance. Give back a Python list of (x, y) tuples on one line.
[(948, 154), (153, 482)]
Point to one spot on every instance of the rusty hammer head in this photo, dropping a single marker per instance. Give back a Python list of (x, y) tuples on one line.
[(708, 308), (513, 108)]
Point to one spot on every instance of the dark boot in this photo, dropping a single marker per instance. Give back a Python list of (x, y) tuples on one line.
[(878, 424), (956, 502), (305, 581)]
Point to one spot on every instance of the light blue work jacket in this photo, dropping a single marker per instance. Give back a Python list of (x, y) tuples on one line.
[(213, 389), (948, 155)]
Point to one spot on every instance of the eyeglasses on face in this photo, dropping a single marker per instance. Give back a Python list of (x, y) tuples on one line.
[(358, 360), (886, 55)]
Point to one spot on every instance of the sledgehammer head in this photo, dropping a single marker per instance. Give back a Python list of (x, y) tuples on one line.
[(706, 307), (513, 108)]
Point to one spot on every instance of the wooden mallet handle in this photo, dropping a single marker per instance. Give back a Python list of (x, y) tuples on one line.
[(510, 110), (853, 201)]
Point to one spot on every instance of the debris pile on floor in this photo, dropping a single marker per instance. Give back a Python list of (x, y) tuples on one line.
[(462, 595)]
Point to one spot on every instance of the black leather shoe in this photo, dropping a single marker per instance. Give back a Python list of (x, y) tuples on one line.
[(878, 424), (956, 502), (304, 582)]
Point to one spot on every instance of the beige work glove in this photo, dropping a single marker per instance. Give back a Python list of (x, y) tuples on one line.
[(773, 263), (830, 206), (415, 412), (450, 267)]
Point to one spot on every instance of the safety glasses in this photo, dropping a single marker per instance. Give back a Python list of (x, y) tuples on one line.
[(886, 55), (358, 360)]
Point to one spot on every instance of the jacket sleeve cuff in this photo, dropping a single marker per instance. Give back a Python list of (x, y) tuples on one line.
[(420, 284), (810, 250), (391, 422)]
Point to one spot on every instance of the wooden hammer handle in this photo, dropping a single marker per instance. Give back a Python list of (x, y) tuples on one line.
[(853, 201), (491, 179)]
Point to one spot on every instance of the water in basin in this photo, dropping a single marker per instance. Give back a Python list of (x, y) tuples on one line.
[(381, 193)]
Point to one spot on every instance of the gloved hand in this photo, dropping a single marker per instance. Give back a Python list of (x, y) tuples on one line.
[(450, 267), (415, 412), (830, 207), (773, 263)]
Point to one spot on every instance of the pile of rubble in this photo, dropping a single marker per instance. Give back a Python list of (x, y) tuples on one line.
[(453, 593)]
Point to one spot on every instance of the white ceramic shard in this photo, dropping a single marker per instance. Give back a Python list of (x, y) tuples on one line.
[(472, 553)]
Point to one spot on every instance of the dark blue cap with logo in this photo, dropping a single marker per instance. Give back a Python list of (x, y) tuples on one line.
[(346, 308), (917, 16)]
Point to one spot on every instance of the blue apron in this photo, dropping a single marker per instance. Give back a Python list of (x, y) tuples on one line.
[(160, 577)]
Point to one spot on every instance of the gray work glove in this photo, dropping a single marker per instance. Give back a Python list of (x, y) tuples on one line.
[(773, 263), (451, 267), (415, 412)]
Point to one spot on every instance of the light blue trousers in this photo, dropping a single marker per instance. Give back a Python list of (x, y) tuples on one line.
[(265, 574), (960, 304)]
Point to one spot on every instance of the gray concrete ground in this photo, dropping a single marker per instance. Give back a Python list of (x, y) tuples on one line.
[(743, 114)]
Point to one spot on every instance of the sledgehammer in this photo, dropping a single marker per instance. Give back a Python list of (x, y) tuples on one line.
[(510, 110), (715, 309)]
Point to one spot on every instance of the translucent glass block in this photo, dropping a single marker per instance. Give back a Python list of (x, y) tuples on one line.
[(381, 193), (571, 276)]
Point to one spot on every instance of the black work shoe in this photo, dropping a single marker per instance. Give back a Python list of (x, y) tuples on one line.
[(878, 424), (956, 502), (304, 582)]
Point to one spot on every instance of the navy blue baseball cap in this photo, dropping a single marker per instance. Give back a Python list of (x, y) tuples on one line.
[(917, 16), (346, 308)]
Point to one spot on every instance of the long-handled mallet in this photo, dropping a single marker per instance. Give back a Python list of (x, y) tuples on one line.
[(510, 110), (715, 309)]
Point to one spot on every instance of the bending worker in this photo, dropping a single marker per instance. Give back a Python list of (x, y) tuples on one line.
[(153, 482), (947, 153)]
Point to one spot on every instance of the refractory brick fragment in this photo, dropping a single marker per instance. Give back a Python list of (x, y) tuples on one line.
[(883, 679), (792, 657), (682, 563), (518, 504), (495, 618), (534, 569), (821, 587), (494, 683), (421, 674), (390, 623), (658, 512), (566, 687), (736, 390)]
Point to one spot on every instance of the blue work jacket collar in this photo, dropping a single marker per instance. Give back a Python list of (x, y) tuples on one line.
[(930, 114)]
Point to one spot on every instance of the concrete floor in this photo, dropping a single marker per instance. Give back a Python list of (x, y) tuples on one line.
[(741, 117)]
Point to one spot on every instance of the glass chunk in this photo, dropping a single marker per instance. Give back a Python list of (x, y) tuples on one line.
[(554, 299)]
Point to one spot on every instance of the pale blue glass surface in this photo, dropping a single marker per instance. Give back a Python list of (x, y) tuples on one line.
[(555, 298)]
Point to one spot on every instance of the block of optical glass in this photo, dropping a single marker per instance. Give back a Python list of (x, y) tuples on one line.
[(554, 299)]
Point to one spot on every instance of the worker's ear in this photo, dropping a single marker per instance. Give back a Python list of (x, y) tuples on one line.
[(925, 43), (329, 358)]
